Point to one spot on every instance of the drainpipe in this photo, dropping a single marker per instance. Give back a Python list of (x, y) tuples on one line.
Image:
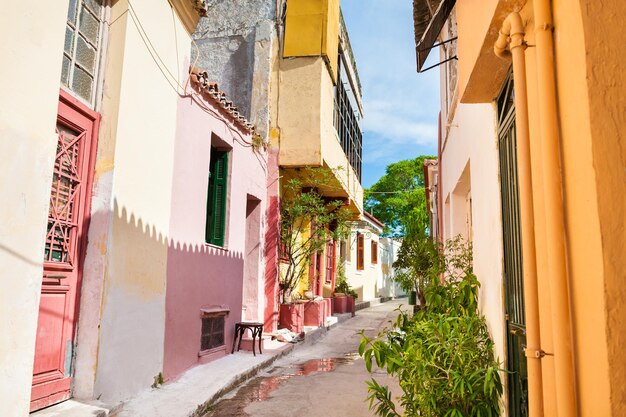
[(565, 377), (512, 35)]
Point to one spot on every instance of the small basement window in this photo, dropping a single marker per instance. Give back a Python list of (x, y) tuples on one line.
[(212, 332)]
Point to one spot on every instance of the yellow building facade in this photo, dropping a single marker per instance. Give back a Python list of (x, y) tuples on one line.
[(317, 109), (555, 69)]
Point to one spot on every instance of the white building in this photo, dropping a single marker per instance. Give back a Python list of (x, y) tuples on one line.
[(368, 260)]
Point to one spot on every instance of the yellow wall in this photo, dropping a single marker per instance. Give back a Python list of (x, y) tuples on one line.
[(605, 75), (590, 76), (312, 29), (582, 219), (305, 120), (131, 215), (299, 111)]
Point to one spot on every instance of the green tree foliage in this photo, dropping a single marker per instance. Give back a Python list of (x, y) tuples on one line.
[(398, 198), (442, 356), (417, 264), (308, 222)]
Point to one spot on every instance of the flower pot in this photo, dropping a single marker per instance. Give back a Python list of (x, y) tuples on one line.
[(351, 305), (344, 304), (314, 313), (292, 317), (413, 298)]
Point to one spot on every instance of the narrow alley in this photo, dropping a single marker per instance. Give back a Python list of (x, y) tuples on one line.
[(204, 202), (329, 368)]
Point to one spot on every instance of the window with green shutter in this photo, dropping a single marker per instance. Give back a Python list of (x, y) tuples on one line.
[(216, 200)]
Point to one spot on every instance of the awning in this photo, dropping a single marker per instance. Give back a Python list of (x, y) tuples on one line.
[(429, 17)]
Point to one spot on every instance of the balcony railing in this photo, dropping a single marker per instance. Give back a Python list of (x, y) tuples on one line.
[(348, 129)]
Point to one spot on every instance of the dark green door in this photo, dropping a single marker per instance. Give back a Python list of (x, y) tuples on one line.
[(512, 242)]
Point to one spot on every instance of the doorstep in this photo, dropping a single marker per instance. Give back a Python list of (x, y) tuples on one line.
[(74, 408)]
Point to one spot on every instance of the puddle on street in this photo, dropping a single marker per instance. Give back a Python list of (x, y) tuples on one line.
[(260, 388)]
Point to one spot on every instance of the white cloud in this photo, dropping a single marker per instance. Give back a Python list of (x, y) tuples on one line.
[(388, 120), (400, 105)]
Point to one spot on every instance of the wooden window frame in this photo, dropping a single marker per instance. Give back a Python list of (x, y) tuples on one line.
[(216, 214), (360, 251), (374, 252), (331, 251), (208, 336)]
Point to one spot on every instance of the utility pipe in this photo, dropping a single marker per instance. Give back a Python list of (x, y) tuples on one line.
[(512, 35), (565, 377)]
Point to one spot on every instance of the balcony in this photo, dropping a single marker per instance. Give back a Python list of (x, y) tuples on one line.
[(318, 127)]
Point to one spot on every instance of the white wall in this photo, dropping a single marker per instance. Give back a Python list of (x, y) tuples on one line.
[(365, 282), (138, 137), (388, 254), (470, 164), (31, 52)]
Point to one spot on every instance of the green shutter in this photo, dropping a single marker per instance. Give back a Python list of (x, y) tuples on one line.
[(216, 202)]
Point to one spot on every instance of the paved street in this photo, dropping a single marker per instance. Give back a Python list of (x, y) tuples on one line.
[(323, 379)]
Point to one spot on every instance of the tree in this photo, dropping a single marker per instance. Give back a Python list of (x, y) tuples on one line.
[(308, 222), (418, 262), (398, 198)]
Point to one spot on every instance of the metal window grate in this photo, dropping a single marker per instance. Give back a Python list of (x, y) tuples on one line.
[(212, 332), (67, 179), (347, 126), (81, 50)]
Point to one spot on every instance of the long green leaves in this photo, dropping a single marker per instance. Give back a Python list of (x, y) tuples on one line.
[(442, 356)]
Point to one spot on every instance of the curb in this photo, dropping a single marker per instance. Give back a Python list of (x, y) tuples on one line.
[(237, 380), (313, 336)]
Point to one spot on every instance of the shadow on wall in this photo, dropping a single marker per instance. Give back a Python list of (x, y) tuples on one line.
[(271, 289), (155, 291)]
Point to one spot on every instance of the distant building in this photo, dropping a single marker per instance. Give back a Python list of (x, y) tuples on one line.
[(368, 259), (291, 66)]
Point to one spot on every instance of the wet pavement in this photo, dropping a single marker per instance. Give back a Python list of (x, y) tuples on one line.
[(325, 379)]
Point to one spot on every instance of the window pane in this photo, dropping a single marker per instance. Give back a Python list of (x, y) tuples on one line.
[(89, 26), (85, 55), (94, 5), (82, 83), (69, 40), (71, 13), (65, 70)]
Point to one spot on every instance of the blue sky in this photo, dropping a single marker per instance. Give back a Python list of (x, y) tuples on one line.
[(400, 105)]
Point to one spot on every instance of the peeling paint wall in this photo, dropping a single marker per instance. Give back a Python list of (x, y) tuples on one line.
[(128, 256), (235, 44), (32, 40)]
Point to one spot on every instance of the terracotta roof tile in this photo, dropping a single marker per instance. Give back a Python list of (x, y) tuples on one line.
[(209, 90)]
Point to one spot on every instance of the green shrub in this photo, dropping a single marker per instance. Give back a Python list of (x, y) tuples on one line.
[(442, 356)]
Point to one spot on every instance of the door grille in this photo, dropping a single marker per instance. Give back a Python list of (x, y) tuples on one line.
[(512, 245), (212, 332)]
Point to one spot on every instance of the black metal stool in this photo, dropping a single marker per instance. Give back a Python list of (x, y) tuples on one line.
[(255, 328)]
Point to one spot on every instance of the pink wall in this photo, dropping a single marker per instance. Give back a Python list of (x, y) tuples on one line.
[(271, 243), (200, 275)]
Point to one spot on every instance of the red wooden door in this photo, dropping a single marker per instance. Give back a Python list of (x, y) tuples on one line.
[(65, 243), (315, 273), (330, 264)]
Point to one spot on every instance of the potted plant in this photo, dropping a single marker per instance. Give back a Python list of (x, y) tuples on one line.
[(344, 296), (308, 222)]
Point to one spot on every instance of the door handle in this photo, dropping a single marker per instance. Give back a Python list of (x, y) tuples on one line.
[(517, 332), (55, 276)]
